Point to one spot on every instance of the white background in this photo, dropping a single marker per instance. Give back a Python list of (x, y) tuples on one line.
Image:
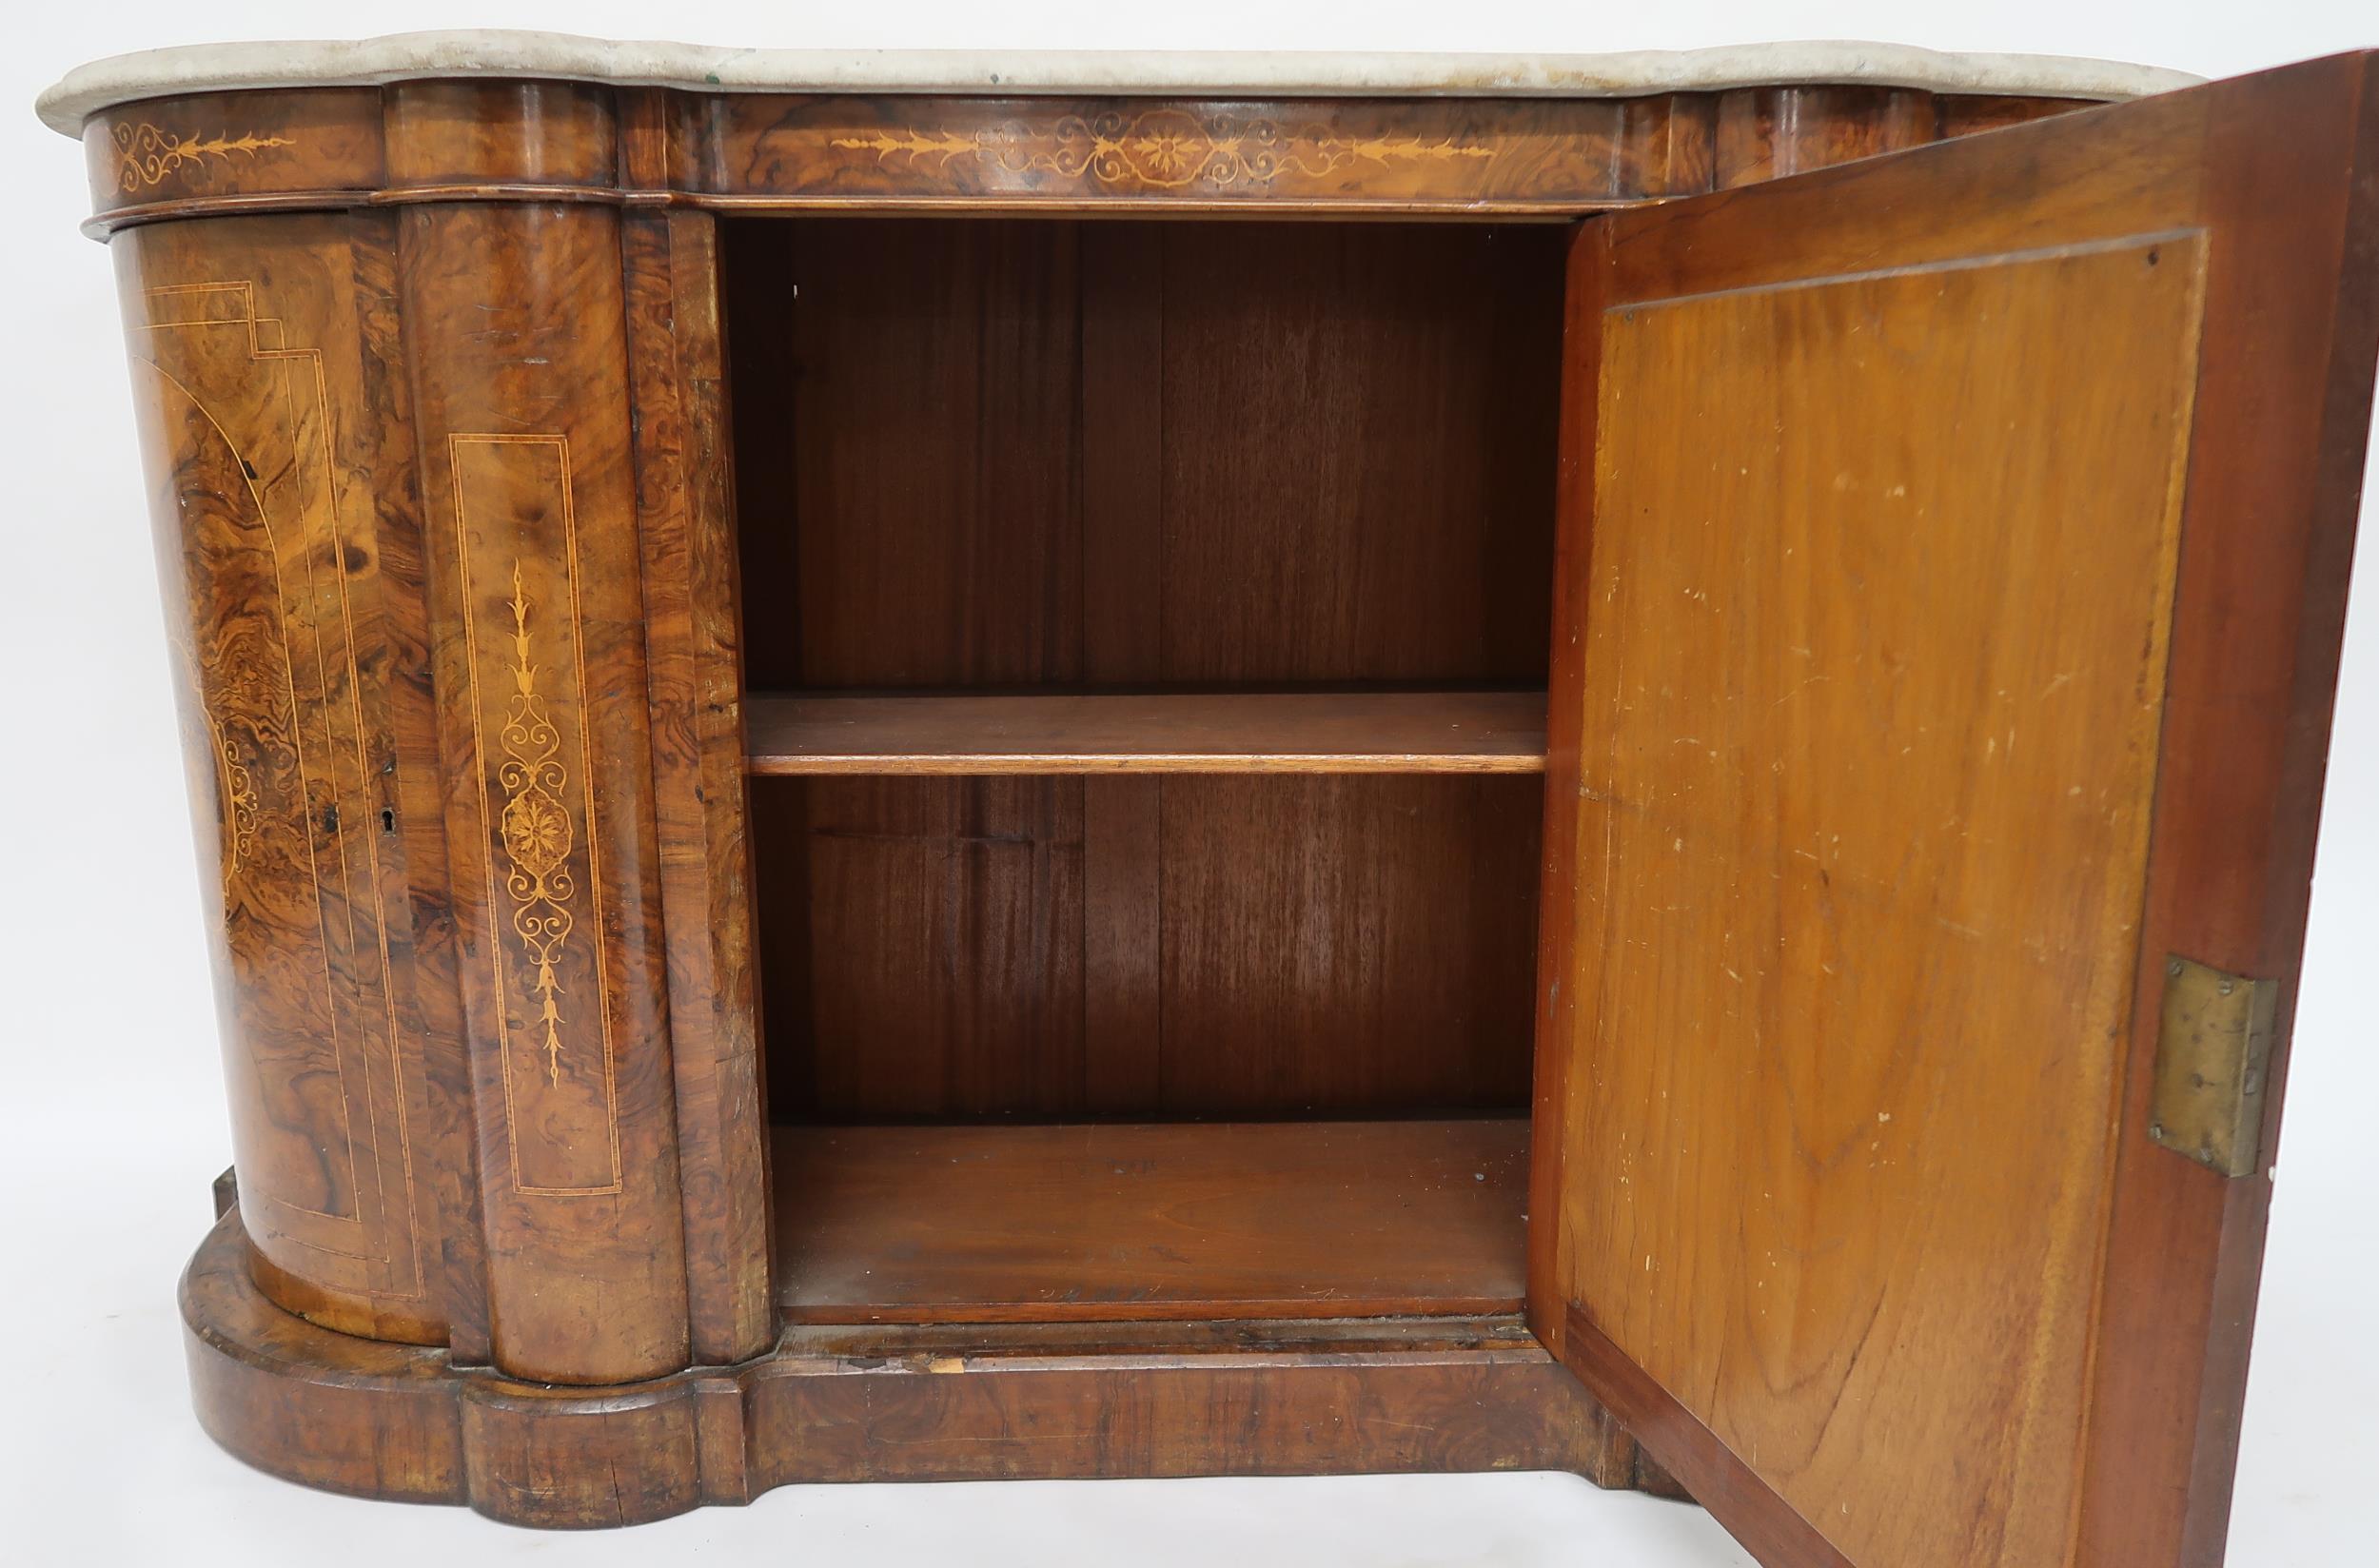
[(112, 1117)]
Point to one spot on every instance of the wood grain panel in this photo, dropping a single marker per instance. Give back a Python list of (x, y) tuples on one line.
[(1872, 815), (686, 528), (1123, 936), (1669, 143), (1358, 430), (927, 396), (940, 973), (518, 320), (2273, 171), (1334, 733), (1345, 945), (1317, 945), (1123, 453), (256, 356), (1767, 134), (1969, 115), (1299, 454), (391, 473), (1098, 1223), (458, 133)]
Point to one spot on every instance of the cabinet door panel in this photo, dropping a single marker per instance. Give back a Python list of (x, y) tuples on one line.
[(1952, 575), (294, 584)]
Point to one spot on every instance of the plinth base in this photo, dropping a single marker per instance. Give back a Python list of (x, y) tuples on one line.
[(915, 1403)]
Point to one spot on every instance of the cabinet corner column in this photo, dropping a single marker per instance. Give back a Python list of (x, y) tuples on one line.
[(684, 493), (515, 323)]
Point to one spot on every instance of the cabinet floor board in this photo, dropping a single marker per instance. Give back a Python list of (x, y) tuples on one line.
[(1123, 1222)]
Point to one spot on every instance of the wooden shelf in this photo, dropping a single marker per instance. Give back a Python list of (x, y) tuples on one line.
[(1344, 733), (1180, 1220)]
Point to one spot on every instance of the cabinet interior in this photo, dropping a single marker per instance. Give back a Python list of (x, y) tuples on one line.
[(1145, 636)]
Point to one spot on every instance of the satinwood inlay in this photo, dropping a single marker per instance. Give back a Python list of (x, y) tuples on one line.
[(148, 156), (245, 422), (1165, 147), (562, 1124)]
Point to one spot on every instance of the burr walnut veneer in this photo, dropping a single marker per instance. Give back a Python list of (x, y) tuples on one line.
[(919, 784)]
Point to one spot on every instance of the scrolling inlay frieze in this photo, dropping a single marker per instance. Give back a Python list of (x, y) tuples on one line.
[(242, 808), (1165, 148), (147, 156)]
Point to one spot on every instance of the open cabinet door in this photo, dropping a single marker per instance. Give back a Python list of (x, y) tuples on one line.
[(1953, 561)]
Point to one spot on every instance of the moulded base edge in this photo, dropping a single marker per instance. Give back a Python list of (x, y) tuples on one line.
[(919, 1403)]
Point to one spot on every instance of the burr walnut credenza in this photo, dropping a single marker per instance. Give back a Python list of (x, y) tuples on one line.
[(962, 766)]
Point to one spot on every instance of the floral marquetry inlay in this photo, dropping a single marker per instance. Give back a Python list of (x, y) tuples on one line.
[(240, 807), (540, 914), (147, 156), (535, 832), (1165, 148)]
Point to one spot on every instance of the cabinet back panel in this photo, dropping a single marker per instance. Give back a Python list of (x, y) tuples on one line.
[(1041, 453), (908, 403), (922, 944), (1358, 463), (1346, 942), (1044, 454), (1037, 947)]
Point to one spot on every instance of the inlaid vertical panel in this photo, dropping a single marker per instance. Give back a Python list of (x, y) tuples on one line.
[(515, 319), (524, 672), (253, 347)]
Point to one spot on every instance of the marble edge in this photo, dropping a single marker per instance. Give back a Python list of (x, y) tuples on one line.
[(370, 62)]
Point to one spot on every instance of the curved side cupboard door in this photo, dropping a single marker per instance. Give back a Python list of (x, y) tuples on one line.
[(1954, 562)]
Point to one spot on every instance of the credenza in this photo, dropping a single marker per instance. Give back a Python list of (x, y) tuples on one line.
[(931, 766)]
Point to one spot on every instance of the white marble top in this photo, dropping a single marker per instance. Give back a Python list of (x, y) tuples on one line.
[(206, 67)]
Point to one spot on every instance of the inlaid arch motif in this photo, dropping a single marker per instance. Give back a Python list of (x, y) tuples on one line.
[(238, 433)]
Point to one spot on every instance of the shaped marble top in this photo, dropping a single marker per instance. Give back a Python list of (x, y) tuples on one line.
[(209, 68)]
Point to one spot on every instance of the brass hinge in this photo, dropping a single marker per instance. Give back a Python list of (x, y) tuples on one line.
[(2214, 1050)]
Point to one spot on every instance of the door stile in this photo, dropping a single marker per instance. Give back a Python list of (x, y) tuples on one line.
[(2269, 520), (1561, 856)]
